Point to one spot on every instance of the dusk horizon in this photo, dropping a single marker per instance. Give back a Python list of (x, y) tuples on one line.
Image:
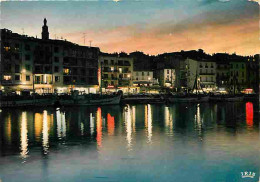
[(150, 27)]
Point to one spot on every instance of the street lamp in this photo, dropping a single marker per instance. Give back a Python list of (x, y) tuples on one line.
[(128, 76), (149, 78)]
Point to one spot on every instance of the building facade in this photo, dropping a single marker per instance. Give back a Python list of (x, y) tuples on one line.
[(46, 65), (166, 77), (205, 73), (115, 72), (238, 75), (144, 78)]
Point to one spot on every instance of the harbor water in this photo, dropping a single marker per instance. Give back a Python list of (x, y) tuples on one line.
[(211, 142)]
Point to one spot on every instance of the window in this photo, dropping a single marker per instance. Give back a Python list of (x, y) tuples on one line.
[(17, 77), (7, 77), (136, 73), (56, 69), (167, 71), (243, 66), (56, 49), (28, 67), (237, 73), (17, 68), (66, 70), (57, 78), (231, 73), (212, 65), (112, 62), (243, 74), (231, 65), (148, 73), (142, 73), (112, 68), (211, 71), (120, 70), (56, 59), (27, 57), (27, 47), (200, 70), (17, 46), (236, 65), (105, 61), (27, 77)]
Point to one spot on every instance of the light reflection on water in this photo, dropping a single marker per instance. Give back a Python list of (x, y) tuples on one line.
[(155, 135)]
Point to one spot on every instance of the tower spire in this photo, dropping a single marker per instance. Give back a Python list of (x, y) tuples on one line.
[(45, 32)]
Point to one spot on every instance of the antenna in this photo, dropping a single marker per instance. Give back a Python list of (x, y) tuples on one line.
[(23, 30), (90, 43), (84, 37)]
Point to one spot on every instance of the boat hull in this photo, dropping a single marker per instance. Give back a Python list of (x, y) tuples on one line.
[(89, 102)]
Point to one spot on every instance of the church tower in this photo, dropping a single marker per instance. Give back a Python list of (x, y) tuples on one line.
[(45, 32)]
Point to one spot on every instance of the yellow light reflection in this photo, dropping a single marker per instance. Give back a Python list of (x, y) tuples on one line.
[(38, 126), (128, 125), (133, 117), (150, 126), (9, 129), (24, 136), (168, 121), (45, 133), (198, 120)]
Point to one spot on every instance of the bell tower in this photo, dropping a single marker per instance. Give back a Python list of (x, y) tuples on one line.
[(45, 32)]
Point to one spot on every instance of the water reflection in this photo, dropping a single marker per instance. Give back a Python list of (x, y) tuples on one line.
[(61, 124), (24, 136), (45, 133), (47, 128), (198, 121), (249, 114), (128, 125), (99, 127), (168, 121)]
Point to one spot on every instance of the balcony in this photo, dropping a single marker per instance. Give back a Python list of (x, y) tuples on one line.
[(7, 82), (207, 73)]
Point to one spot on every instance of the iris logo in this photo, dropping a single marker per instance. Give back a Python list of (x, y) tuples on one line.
[(248, 174)]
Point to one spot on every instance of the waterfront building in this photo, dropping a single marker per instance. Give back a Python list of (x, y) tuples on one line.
[(238, 75), (115, 72), (167, 77), (46, 65), (204, 71), (144, 78), (252, 75), (207, 75)]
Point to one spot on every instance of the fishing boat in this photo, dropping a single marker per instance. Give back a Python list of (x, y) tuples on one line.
[(75, 99)]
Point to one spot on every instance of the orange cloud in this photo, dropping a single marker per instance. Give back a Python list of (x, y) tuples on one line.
[(241, 37)]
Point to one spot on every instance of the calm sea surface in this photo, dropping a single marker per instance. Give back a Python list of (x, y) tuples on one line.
[(179, 142)]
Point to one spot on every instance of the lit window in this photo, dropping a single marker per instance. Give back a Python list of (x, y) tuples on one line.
[(7, 77), (66, 71), (112, 68), (120, 70), (7, 48)]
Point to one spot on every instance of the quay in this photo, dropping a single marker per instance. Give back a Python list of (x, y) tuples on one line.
[(54, 100)]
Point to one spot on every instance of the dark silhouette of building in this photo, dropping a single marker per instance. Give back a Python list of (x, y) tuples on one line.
[(45, 32)]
